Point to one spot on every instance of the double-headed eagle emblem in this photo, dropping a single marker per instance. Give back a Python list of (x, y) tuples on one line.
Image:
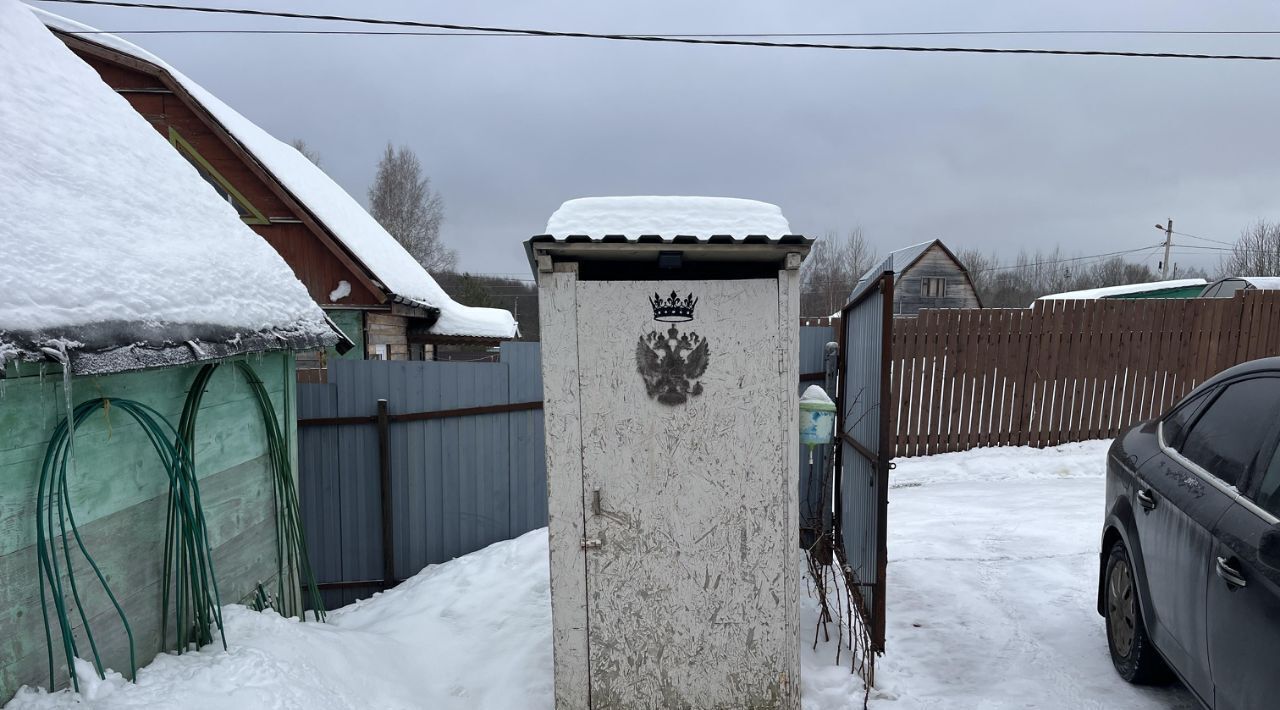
[(671, 363)]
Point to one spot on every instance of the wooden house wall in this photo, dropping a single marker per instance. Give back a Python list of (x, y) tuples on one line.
[(118, 492), (385, 329), (908, 297)]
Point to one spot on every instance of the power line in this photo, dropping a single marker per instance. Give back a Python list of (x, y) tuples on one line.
[(726, 35), (1206, 239), (1069, 260), (670, 39)]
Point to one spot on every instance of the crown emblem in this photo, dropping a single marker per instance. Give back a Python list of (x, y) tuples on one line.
[(673, 309)]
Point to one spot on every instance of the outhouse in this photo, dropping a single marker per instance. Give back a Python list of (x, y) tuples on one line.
[(669, 351)]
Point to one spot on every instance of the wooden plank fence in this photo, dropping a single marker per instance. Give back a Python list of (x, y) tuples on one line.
[(1063, 371)]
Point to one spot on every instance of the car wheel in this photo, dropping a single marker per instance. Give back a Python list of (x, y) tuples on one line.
[(1135, 659)]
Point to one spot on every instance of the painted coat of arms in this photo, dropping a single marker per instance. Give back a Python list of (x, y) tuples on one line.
[(671, 363)]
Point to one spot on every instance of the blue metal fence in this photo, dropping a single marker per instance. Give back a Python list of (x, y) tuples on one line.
[(458, 480)]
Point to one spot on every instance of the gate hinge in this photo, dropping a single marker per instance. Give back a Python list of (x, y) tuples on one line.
[(589, 543)]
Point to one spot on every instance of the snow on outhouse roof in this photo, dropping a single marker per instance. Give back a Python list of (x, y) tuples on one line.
[(1124, 290), (111, 240), (667, 217), (341, 214)]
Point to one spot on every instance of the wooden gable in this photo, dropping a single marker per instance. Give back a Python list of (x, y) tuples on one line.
[(317, 259)]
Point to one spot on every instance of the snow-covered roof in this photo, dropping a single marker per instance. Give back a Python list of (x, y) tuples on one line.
[(341, 214), (110, 239), (1263, 283), (1125, 290), (667, 217)]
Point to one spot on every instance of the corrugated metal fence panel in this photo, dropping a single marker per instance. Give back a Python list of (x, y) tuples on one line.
[(812, 341), (861, 381), (319, 485), (528, 462)]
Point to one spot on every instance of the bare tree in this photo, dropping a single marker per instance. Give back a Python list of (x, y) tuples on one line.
[(982, 268), (832, 270), (307, 151), (403, 202), (1256, 252)]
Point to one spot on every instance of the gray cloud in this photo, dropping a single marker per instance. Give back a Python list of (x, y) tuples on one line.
[(998, 152)]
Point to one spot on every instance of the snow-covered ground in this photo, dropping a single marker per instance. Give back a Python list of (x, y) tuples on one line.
[(992, 575)]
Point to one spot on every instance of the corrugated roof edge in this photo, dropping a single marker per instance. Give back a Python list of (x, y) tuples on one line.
[(142, 356), (680, 240)]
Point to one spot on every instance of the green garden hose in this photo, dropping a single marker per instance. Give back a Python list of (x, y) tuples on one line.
[(292, 560), (197, 608), (188, 579)]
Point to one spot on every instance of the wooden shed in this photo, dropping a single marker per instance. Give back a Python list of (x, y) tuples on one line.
[(669, 371), (380, 297), (125, 282), (926, 275)]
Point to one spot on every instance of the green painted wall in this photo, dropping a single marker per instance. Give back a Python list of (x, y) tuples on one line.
[(352, 323), (118, 494)]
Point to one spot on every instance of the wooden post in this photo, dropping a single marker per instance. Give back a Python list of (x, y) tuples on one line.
[(384, 473)]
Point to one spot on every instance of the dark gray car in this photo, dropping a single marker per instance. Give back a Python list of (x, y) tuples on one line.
[(1190, 566)]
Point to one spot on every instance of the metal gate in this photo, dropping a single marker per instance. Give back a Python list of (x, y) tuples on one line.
[(864, 451)]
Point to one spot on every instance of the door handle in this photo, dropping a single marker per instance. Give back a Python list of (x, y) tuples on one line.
[(1229, 574), (1145, 499)]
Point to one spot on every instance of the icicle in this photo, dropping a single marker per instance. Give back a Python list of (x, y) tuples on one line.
[(59, 353)]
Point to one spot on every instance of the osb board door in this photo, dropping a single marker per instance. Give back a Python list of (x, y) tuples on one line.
[(685, 488)]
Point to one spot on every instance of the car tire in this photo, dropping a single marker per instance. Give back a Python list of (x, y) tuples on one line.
[(1133, 655)]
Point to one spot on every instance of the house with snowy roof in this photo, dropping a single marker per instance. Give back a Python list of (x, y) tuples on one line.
[(926, 275), (147, 378), (379, 295)]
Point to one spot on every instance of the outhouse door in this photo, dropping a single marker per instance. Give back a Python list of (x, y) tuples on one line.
[(686, 494)]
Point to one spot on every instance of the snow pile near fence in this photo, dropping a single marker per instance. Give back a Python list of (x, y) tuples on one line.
[(472, 633), (1006, 463), (667, 217), (107, 233)]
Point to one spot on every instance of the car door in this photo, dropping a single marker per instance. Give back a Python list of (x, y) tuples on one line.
[(1244, 596), (1186, 492)]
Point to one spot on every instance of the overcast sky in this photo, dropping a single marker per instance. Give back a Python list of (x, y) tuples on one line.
[(997, 152)]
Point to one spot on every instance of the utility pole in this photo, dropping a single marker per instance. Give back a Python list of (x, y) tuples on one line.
[(1168, 243)]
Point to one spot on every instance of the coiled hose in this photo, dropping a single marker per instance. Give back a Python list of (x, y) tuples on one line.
[(188, 557), (292, 560), (188, 579)]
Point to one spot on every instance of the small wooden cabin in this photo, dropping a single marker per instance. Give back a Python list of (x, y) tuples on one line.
[(368, 284), (124, 278), (926, 275)]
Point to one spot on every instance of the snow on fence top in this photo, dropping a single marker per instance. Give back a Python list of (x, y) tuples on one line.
[(667, 217), (358, 231), (111, 238), (1093, 293)]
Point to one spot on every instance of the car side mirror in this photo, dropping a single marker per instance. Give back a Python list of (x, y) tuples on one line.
[(1269, 548)]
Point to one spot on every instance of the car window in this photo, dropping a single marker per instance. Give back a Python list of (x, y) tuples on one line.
[(1175, 423), (1212, 291), (1226, 438), (1229, 288), (1268, 494)]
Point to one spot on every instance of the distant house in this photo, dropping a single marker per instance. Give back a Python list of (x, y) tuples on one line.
[(1178, 288), (926, 275), (124, 280), (359, 274), (1230, 286)]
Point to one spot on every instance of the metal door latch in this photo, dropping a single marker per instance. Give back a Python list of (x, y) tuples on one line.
[(590, 543)]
